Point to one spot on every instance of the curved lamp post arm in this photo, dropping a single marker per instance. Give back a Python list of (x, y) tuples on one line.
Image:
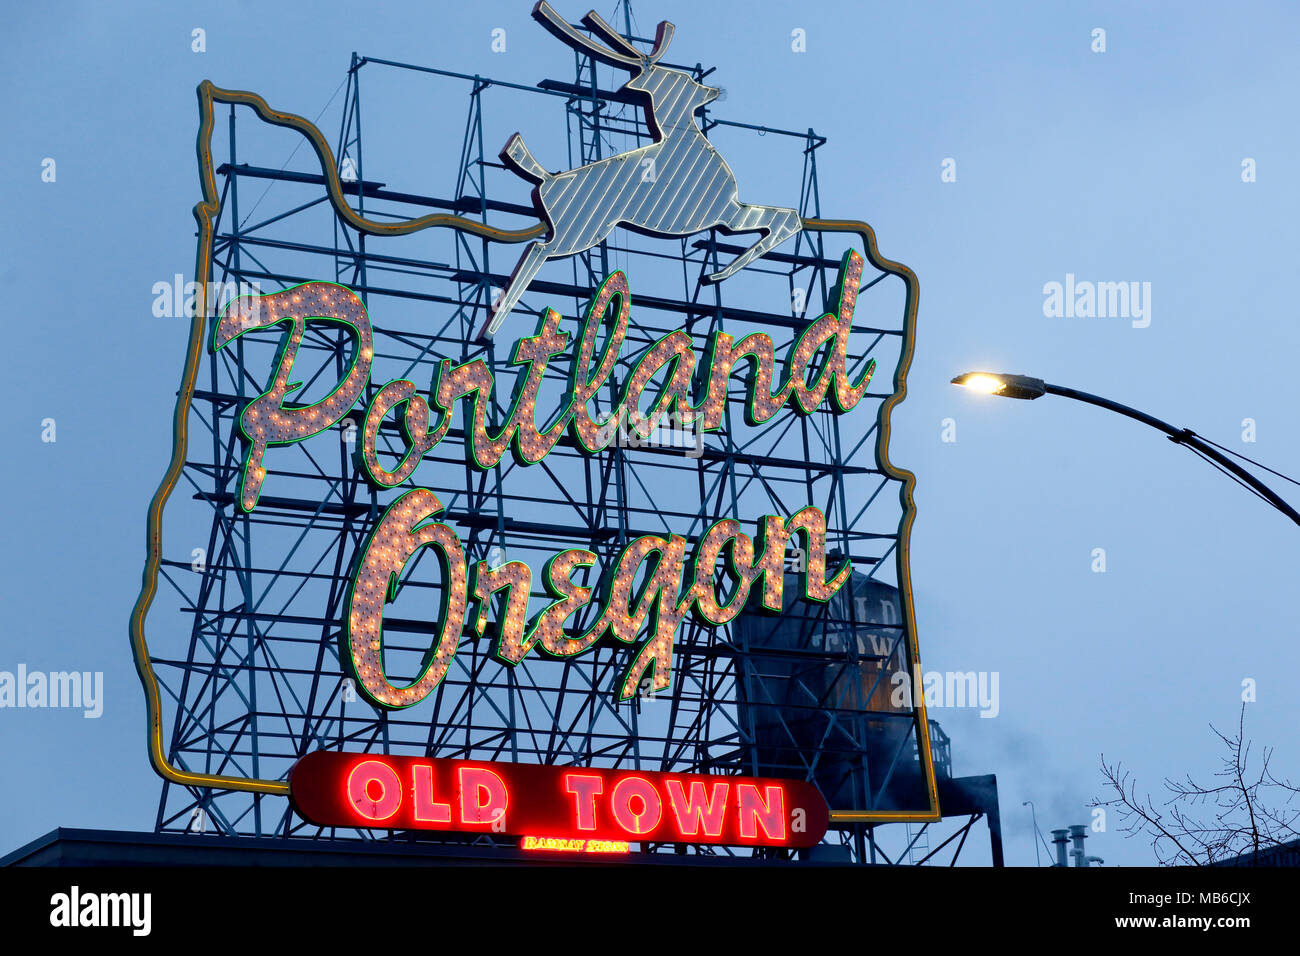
[(1180, 436), (1027, 387)]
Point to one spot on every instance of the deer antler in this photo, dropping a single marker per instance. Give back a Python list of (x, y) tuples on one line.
[(597, 25), (663, 36), (560, 28)]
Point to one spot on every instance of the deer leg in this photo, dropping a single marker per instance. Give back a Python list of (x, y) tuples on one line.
[(776, 224), (526, 269)]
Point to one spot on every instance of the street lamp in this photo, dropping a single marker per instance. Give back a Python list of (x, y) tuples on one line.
[(1033, 816), (1029, 388)]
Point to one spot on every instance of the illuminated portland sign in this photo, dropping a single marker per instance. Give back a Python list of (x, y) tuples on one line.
[(435, 529), (567, 809), (673, 583)]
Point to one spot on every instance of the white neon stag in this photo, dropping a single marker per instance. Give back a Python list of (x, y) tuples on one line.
[(674, 186)]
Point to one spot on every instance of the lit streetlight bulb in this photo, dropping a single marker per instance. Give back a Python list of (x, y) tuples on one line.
[(987, 384)]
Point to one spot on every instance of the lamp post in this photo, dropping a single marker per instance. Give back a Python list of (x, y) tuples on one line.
[(1029, 388), (1033, 816)]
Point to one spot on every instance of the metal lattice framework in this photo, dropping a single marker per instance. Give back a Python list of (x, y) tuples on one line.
[(245, 636)]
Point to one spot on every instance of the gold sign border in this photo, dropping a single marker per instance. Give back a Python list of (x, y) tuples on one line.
[(205, 214)]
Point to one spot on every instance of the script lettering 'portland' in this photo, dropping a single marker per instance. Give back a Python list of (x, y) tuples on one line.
[(815, 373)]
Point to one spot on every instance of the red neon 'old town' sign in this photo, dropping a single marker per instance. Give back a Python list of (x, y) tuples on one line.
[(560, 803)]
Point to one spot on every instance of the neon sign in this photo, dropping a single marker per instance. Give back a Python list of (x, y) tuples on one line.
[(576, 845), (695, 397), (574, 809), (636, 592), (673, 585)]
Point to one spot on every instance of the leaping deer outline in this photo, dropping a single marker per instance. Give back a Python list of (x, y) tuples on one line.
[(674, 186)]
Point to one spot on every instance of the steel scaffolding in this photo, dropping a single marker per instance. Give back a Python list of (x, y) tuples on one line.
[(248, 659)]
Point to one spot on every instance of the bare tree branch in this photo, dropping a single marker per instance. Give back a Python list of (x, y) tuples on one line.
[(1201, 825)]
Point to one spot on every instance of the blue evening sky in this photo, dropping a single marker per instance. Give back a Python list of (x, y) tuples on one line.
[(1117, 166)]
